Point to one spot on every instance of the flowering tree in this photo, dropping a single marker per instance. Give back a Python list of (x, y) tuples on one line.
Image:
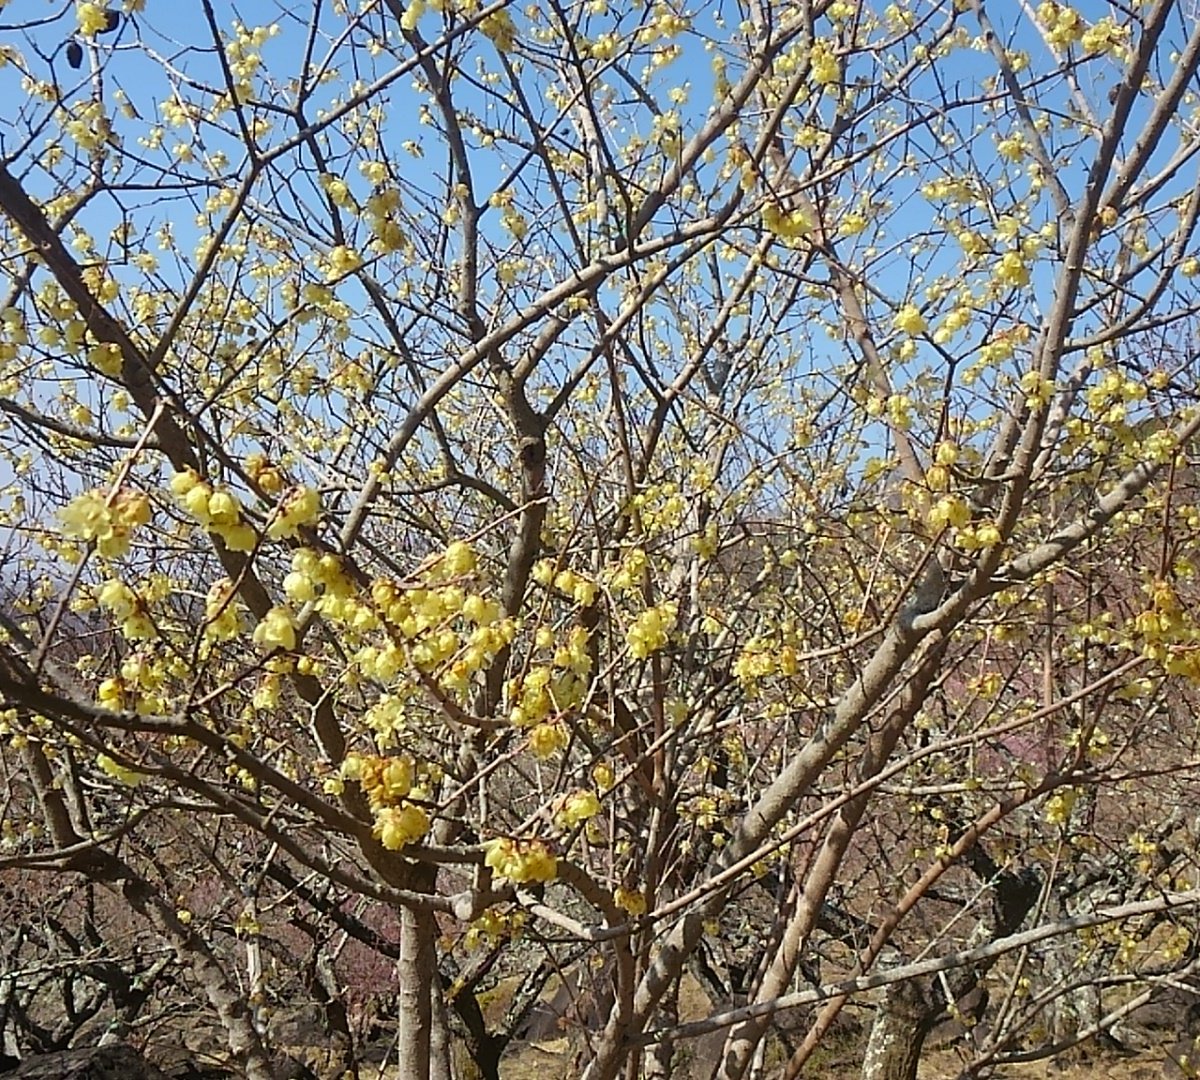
[(585, 478)]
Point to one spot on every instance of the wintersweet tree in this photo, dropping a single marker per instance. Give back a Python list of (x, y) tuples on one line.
[(637, 492)]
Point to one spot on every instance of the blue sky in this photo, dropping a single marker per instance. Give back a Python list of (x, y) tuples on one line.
[(178, 35)]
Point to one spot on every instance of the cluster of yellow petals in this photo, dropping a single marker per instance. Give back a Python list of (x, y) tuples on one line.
[(120, 773), (106, 520), (786, 224), (521, 861), (1064, 26), (1167, 632), (300, 507), (276, 629), (761, 659), (218, 511), (577, 807), (651, 630), (92, 18), (909, 320), (500, 29), (128, 608), (389, 784)]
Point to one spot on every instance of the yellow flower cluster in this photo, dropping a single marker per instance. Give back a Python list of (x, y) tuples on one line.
[(824, 64), (629, 572), (1013, 147), (1059, 806), (603, 775), (548, 738), (580, 589), (492, 927), (127, 607), (1038, 391), (909, 320), (786, 224), (121, 774), (545, 690), (959, 190), (322, 579), (630, 900), (958, 319), (1106, 36), (1012, 270), (218, 511), (276, 630), (604, 47), (577, 807), (1108, 398), (1163, 627), (387, 717), (140, 679), (301, 506), (662, 23), (412, 15), (500, 29), (88, 125), (983, 534), (651, 630), (340, 261), (435, 626), (761, 659), (458, 560), (510, 217), (388, 783), (1063, 25), (521, 860), (105, 520), (396, 826), (91, 18), (852, 224), (381, 216), (950, 511)]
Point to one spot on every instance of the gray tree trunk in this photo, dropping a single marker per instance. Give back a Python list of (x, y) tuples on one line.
[(902, 1021)]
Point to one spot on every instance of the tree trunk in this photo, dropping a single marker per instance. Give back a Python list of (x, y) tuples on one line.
[(903, 1020), (422, 1054), (660, 1055)]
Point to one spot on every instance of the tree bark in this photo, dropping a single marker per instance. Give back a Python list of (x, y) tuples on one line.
[(420, 1056), (903, 1020)]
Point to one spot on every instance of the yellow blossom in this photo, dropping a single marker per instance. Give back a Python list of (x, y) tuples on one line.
[(301, 506), (909, 320), (342, 261), (824, 64), (94, 517), (631, 900), (276, 630), (788, 225), (123, 775), (220, 611), (521, 861), (458, 559), (92, 18), (397, 826), (500, 28), (545, 739), (650, 630), (106, 358), (1011, 270), (577, 807)]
